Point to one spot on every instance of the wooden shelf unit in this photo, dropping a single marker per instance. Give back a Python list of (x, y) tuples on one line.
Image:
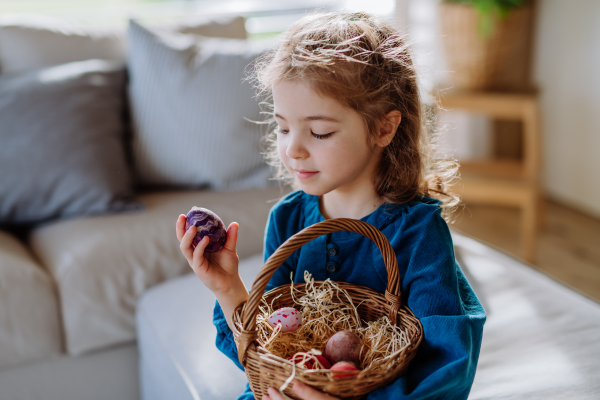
[(513, 183)]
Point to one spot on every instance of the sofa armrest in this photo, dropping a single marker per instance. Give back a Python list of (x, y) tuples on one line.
[(29, 318), (102, 264)]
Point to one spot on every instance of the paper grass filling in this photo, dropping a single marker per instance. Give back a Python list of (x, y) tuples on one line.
[(327, 309)]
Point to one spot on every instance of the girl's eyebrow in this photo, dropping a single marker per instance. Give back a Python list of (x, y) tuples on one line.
[(312, 118)]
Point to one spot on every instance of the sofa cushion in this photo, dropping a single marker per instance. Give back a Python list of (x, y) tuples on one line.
[(178, 356), (232, 27), (29, 316), (102, 264), (62, 150), (30, 42), (192, 110)]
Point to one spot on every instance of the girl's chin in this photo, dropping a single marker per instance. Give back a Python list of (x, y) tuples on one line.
[(311, 189)]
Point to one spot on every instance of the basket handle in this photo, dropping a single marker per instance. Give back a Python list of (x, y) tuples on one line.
[(249, 333)]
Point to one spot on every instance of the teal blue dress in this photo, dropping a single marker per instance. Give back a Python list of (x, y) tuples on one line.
[(433, 284)]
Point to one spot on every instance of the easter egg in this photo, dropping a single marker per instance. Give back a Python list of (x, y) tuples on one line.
[(343, 346), (344, 369), (207, 224), (289, 318), (310, 364)]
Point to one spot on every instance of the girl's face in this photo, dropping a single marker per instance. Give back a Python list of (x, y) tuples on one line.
[(322, 143)]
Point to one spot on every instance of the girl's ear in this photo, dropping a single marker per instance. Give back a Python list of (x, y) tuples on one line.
[(388, 127)]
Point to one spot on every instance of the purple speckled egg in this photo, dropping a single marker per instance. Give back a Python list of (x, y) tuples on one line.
[(207, 224)]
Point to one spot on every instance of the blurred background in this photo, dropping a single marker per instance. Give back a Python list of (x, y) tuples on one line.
[(544, 51), (118, 115)]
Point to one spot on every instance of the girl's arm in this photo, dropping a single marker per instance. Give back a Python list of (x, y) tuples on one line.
[(218, 271), (283, 221)]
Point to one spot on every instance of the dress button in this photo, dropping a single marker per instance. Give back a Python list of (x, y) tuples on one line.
[(332, 251), (332, 267)]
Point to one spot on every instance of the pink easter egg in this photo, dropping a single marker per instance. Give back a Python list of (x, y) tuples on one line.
[(289, 318)]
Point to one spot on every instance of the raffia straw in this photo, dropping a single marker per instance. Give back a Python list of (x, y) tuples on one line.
[(327, 309), (287, 382)]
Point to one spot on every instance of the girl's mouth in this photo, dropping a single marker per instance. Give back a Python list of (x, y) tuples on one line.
[(302, 174)]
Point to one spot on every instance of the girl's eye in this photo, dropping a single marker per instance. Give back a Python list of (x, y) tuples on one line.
[(282, 131), (322, 136)]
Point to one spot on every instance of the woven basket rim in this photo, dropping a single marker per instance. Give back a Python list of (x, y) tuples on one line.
[(244, 316), (359, 384)]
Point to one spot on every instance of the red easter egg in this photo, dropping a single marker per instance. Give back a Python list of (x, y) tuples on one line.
[(344, 369)]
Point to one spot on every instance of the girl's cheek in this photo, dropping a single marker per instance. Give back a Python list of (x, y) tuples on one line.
[(281, 150)]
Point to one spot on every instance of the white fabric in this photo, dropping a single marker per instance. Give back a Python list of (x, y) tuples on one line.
[(176, 338), (102, 264), (29, 42), (104, 375), (224, 27), (29, 319), (192, 110), (540, 340)]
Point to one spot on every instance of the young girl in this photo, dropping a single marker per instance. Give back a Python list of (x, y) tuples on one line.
[(350, 133)]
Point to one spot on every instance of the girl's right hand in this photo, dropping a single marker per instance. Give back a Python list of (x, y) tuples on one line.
[(218, 271)]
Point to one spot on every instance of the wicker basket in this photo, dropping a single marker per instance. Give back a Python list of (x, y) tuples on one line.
[(265, 369), (479, 63)]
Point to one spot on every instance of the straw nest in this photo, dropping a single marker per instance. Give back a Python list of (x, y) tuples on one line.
[(326, 309)]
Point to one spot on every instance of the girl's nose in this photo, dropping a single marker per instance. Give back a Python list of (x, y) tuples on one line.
[(295, 148)]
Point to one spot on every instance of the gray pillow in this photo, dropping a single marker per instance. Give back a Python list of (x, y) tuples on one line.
[(191, 109), (62, 152)]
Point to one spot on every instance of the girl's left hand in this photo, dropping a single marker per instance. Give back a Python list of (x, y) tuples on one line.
[(304, 391)]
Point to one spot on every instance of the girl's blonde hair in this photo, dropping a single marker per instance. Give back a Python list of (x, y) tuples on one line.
[(366, 65)]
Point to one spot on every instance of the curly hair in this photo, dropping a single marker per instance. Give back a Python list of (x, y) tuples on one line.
[(366, 65)]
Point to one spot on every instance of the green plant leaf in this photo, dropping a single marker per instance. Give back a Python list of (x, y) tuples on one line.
[(490, 11)]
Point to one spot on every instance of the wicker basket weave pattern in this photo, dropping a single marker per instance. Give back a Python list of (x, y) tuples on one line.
[(478, 63), (265, 369)]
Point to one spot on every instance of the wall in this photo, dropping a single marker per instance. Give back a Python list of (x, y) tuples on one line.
[(567, 70)]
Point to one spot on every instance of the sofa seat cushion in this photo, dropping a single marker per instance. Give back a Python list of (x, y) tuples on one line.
[(29, 318), (176, 341), (102, 264), (540, 340)]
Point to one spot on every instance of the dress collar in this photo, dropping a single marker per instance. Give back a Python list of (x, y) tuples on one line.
[(379, 218)]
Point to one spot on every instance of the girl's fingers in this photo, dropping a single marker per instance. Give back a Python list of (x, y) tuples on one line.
[(306, 392), (186, 244), (180, 227), (232, 235), (273, 394), (198, 256)]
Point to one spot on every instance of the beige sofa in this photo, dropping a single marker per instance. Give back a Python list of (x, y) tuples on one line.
[(69, 295), (69, 288)]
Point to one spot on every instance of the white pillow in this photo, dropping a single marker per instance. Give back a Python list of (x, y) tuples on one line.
[(224, 27), (31, 42), (191, 109)]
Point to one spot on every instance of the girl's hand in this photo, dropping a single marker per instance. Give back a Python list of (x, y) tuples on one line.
[(305, 392), (218, 271)]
